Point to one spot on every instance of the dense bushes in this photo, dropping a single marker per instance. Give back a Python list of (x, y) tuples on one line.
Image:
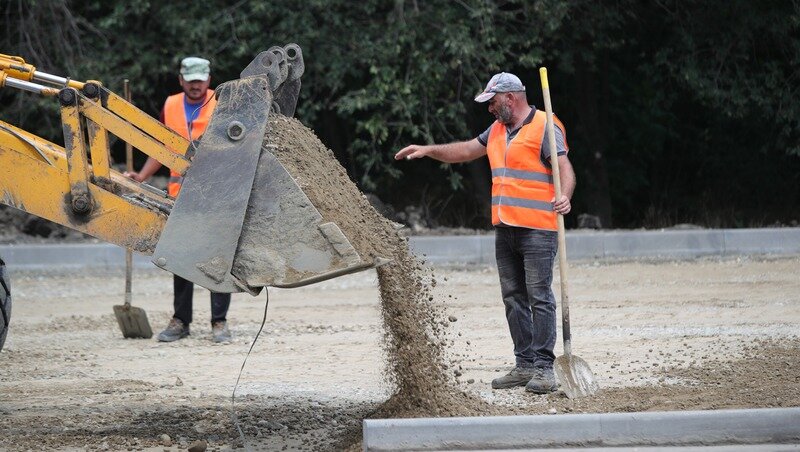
[(676, 111)]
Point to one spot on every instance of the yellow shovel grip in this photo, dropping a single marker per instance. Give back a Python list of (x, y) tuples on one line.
[(543, 76)]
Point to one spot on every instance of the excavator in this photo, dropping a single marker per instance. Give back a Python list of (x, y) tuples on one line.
[(197, 235)]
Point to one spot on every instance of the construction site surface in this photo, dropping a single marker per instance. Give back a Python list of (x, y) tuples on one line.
[(712, 333)]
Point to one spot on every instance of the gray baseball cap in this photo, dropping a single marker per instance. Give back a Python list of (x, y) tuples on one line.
[(194, 68), (503, 82)]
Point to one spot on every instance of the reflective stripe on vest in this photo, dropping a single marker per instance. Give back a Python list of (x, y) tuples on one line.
[(522, 186), (520, 202), (521, 174), (175, 119)]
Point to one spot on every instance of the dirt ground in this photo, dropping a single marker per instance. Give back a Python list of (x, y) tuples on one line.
[(707, 334)]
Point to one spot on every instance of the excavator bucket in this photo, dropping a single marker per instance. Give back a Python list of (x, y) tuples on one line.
[(241, 221)]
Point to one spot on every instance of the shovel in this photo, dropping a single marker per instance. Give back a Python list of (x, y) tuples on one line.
[(577, 379), (132, 321)]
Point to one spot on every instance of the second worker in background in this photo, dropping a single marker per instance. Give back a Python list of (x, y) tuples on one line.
[(188, 114)]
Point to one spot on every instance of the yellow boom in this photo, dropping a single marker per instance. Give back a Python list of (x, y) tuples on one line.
[(60, 184)]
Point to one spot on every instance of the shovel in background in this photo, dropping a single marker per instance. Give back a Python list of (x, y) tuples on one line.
[(577, 379), (132, 321)]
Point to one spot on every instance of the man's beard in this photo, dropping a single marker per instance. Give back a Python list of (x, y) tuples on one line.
[(505, 116), (196, 96)]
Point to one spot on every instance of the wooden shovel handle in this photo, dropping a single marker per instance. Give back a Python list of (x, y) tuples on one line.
[(562, 243), (128, 167), (128, 148)]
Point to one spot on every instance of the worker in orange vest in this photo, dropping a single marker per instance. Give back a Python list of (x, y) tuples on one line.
[(188, 114), (524, 212)]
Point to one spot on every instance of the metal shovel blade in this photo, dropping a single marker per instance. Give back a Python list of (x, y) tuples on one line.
[(577, 379), (132, 322)]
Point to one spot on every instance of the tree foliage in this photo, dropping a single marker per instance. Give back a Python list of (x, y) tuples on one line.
[(675, 111)]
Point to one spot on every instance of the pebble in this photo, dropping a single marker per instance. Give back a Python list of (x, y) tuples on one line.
[(198, 446), (552, 411), (452, 318), (271, 425), (165, 440), (178, 382)]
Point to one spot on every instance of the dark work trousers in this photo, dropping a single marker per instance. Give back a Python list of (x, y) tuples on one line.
[(525, 264), (183, 302)]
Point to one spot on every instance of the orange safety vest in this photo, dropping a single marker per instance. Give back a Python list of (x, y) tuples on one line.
[(175, 119), (522, 186)]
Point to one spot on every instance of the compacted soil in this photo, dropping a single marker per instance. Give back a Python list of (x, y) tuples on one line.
[(404, 340), (706, 334)]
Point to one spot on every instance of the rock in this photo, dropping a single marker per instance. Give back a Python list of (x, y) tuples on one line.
[(198, 446), (552, 411), (452, 318), (684, 227), (586, 221), (165, 440), (271, 425), (178, 382)]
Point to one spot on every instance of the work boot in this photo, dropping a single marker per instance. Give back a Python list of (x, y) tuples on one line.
[(174, 331), (219, 332), (543, 381), (519, 376)]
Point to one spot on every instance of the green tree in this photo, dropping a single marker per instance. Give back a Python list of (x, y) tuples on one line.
[(675, 111)]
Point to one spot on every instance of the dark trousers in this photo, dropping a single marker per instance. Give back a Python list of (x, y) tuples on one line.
[(183, 302), (525, 264)]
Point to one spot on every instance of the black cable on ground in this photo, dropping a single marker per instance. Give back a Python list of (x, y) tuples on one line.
[(233, 394)]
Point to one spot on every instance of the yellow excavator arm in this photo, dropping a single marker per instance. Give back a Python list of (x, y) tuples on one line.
[(59, 184), (231, 177)]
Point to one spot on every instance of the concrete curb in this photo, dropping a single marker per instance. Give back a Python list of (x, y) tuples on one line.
[(667, 428), (477, 249), (667, 244), (70, 255)]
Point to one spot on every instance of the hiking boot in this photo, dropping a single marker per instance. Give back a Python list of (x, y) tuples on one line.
[(174, 331), (543, 381), (519, 376), (219, 332)]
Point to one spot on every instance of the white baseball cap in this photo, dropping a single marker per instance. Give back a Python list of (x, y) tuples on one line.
[(503, 82)]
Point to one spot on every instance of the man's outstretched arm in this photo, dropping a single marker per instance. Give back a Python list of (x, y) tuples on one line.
[(461, 151)]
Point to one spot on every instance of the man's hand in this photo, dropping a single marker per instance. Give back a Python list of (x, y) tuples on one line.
[(150, 167), (133, 175), (413, 151), (562, 206)]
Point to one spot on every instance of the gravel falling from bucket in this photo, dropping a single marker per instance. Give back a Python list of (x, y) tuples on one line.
[(415, 327)]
